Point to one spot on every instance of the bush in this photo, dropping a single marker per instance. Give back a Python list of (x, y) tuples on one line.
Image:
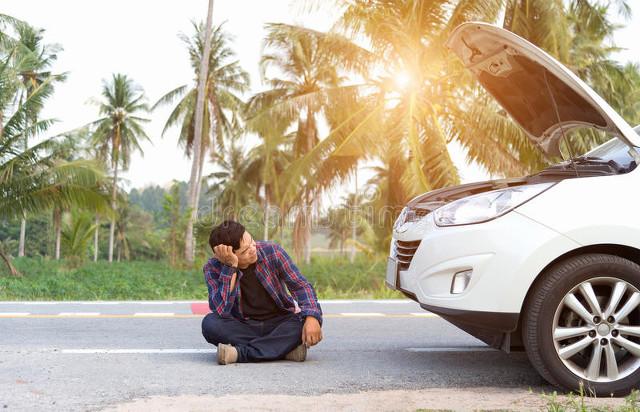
[(46, 279)]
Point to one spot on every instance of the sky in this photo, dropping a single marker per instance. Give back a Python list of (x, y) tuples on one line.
[(140, 38)]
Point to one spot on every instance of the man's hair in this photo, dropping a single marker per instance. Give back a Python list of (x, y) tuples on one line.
[(227, 233)]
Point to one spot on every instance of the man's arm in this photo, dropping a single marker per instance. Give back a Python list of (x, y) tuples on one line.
[(223, 288), (298, 285)]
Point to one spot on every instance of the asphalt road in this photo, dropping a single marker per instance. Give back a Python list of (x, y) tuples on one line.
[(88, 356)]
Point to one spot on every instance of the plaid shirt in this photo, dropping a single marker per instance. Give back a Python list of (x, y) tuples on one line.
[(275, 270)]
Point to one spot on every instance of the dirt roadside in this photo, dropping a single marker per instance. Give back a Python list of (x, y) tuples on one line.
[(442, 399)]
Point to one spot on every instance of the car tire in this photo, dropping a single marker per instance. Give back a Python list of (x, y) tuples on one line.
[(549, 314)]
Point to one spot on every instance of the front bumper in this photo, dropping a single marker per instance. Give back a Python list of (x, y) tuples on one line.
[(505, 256)]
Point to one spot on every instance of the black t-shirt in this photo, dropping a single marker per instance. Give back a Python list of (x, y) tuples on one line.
[(256, 302)]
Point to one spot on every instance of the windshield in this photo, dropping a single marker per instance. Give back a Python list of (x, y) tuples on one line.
[(611, 157), (615, 149)]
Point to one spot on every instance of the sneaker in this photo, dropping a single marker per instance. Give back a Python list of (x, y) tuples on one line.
[(299, 354), (227, 354)]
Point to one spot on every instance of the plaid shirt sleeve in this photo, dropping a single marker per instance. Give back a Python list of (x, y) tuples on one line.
[(218, 278), (298, 285)]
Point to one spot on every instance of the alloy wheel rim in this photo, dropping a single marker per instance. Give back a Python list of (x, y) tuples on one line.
[(596, 329)]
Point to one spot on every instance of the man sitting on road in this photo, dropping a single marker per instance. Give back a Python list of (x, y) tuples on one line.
[(253, 318)]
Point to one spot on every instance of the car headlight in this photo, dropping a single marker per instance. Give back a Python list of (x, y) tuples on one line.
[(487, 206)]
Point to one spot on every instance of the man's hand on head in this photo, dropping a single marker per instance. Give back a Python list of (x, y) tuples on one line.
[(311, 331), (225, 255)]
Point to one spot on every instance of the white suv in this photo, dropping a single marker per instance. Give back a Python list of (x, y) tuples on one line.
[(550, 261)]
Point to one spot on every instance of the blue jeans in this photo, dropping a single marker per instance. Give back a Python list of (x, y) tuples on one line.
[(256, 341)]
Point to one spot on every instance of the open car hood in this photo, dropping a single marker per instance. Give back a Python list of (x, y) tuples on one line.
[(523, 78)]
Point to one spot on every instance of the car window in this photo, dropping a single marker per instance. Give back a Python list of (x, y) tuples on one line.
[(615, 149)]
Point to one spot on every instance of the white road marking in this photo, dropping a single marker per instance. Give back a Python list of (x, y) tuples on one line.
[(102, 302), (453, 349), (393, 302), (374, 301), (135, 351), (424, 315), (334, 301), (3, 314), (37, 303), (359, 314), (179, 302), (151, 314), (79, 314), (99, 302), (159, 302)]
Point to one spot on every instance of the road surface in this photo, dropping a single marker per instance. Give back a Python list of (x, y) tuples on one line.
[(96, 355)]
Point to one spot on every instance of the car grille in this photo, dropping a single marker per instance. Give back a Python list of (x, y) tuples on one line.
[(405, 252)]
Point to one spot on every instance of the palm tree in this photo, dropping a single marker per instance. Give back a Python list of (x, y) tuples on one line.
[(225, 82), (267, 163), (579, 34), (416, 81), (35, 59), (84, 134), (119, 131), (175, 218), (423, 100), (76, 236), (35, 178), (73, 148), (306, 88), (196, 165), (386, 196), (232, 184), (121, 238), (337, 222)]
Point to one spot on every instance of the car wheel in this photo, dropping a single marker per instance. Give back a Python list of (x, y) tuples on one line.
[(581, 325)]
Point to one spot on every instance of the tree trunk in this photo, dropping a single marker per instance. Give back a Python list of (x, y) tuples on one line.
[(198, 190), (266, 214), (280, 224), (57, 224), (307, 229), (23, 222), (173, 241), (199, 178), (194, 183), (354, 220), (114, 192), (308, 200), (7, 262), (23, 232), (95, 239)]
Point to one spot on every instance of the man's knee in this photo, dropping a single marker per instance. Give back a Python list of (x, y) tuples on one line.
[(212, 329), (292, 326)]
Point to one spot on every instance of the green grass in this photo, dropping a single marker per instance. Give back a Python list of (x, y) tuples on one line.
[(51, 280), (579, 403), (573, 402)]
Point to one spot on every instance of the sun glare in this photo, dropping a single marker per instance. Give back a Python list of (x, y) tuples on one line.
[(402, 80)]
